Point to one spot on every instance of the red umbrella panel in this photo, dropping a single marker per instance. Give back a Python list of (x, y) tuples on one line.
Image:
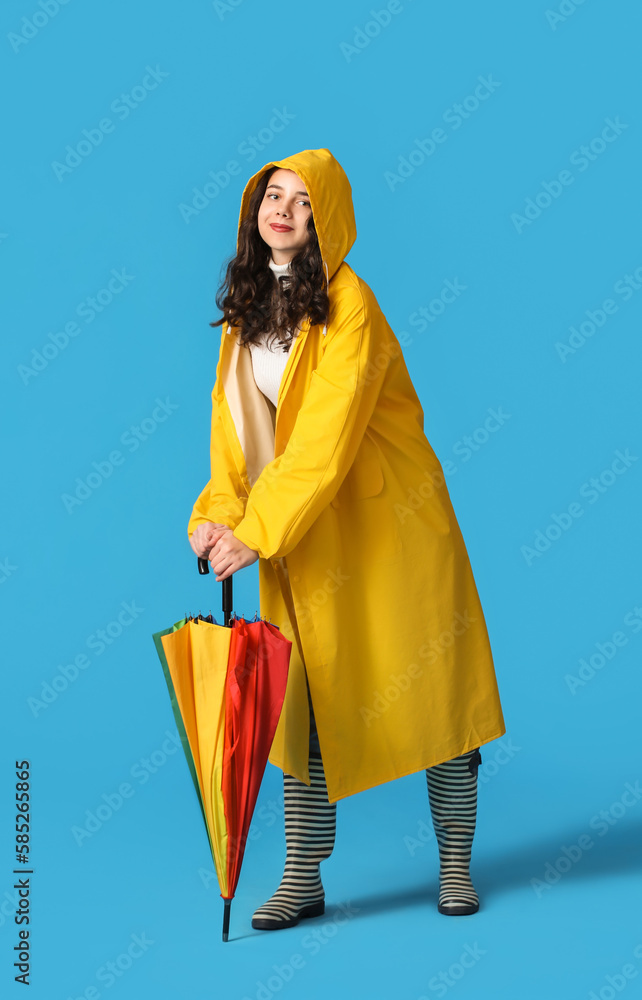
[(257, 676)]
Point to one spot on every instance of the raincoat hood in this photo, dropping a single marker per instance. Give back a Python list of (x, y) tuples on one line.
[(330, 200)]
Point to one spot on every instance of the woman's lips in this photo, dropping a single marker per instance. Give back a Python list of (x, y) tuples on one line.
[(280, 229)]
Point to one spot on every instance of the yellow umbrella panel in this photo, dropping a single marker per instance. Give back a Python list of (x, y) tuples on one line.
[(197, 657)]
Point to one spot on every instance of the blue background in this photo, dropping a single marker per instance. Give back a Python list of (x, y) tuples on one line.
[(570, 748)]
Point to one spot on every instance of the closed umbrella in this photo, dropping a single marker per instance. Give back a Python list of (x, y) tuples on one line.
[(226, 685)]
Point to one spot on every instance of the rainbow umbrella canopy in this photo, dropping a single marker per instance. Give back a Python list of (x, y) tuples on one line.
[(226, 685)]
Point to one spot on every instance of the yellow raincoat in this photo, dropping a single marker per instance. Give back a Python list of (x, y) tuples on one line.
[(362, 563)]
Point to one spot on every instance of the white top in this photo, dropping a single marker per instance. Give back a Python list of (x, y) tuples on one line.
[(268, 363)]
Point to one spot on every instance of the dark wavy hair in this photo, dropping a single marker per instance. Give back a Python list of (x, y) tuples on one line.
[(254, 300)]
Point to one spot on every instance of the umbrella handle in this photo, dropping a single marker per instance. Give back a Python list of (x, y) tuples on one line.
[(204, 568)]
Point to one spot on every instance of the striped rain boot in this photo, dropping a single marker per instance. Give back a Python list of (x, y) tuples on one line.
[(452, 793), (310, 827)]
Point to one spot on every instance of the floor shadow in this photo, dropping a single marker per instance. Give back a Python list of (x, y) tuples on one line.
[(618, 851)]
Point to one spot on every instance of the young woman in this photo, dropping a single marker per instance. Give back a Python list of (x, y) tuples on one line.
[(321, 470)]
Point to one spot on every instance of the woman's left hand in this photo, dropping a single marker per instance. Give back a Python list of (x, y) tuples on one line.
[(229, 555)]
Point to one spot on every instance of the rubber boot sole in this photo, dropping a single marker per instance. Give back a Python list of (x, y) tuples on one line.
[(272, 924), (458, 911)]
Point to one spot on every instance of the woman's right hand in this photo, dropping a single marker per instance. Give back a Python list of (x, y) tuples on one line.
[(205, 536)]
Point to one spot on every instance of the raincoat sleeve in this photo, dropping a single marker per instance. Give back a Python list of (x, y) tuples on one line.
[(224, 497), (297, 485)]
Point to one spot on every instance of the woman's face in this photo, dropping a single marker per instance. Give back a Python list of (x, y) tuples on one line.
[(285, 206)]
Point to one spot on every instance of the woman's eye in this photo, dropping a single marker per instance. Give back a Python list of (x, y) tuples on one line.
[(274, 195)]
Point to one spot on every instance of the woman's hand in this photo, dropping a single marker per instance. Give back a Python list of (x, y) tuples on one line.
[(205, 537), (230, 554)]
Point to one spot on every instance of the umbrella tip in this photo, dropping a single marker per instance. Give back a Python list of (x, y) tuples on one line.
[(226, 918)]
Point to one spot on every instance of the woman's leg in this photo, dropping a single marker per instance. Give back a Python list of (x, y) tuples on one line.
[(310, 827), (315, 749), (452, 792)]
